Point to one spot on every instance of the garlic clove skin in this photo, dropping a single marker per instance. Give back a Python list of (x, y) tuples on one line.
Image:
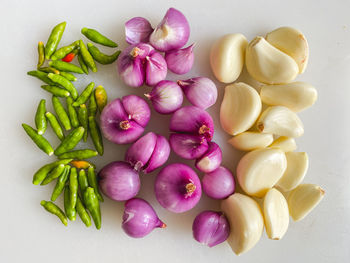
[(297, 166), (281, 121), (227, 57), (303, 199), (269, 65), (260, 170), (292, 42), (276, 214), (284, 143), (248, 141), (296, 96), (246, 222), (240, 108)]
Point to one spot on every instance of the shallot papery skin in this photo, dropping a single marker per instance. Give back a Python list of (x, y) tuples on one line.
[(178, 188), (180, 61), (173, 31), (139, 218), (119, 181), (210, 228), (211, 160), (137, 29), (219, 184)]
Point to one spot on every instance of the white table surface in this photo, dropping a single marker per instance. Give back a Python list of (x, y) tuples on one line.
[(29, 234)]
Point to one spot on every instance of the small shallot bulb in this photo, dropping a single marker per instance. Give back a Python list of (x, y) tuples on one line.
[(166, 97), (178, 188), (211, 160), (119, 181), (156, 69), (188, 146), (172, 32), (137, 29), (219, 184), (210, 228), (159, 156), (139, 218), (200, 91), (180, 61)]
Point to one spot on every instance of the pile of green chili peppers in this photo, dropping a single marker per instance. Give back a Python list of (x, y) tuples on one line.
[(74, 175)]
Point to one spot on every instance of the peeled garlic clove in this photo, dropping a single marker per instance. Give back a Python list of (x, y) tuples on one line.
[(240, 108), (269, 65), (248, 141), (292, 42), (276, 214), (260, 170), (296, 96), (284, 143), (297, 165), (303, 199), (227, 57), (281, 121), (246, 222)]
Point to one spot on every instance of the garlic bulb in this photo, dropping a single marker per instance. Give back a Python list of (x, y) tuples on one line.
[(240, 108), (248, 141), (260, 170), (269, 65), (292, 42), (246, 222)]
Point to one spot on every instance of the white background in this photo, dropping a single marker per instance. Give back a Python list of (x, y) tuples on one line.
[(30, 234)]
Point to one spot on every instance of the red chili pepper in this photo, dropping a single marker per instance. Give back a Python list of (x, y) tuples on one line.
[(69, 57)]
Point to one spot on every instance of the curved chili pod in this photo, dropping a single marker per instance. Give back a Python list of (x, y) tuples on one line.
[(61, 182), (82, 164), (42, 76), (83, 214), (56, 127), (82, 64), (55, 173), (49, 70), (65, 66), (56, 91), (68, 208), (41, 174), (96, 135), (68, 76), (101, 57), (73, 116), (84, 96), (65, 83), (97, 37), (54, 209), (89, 61), (40, 119), (101, 97), (54, 39), (41, 54), (93, 205), (70, 141), (83, 119), (79, 154), (83, 181), (38, 139), (61, 113), (73, 186), (92, 107)]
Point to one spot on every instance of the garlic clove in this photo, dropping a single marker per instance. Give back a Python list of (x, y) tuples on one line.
[(297, 165), (246, 222), (303, 199), (269, 65), (227, 57), (284, 143), (276, 214), (240, 108), (248, 141), (292, 42), (260, 170), (296, 96), (281, 121)]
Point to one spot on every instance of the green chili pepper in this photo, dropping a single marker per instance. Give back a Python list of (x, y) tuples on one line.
[(63, 51), (83, 181), (61, 182), (61, 113), (56, 91), (79, 154), (101, 97), (41, 174), (72, 113), (56, 172), (97, 37), (38, 139), (83, 214), (56, 127), (83, 119), (68, 76), (82, 64), (68, 208), (54, 209), (92, 107), (101, 57), (70, 141), (41, 54), (96, 135), (89, 61), (92, 204), (54, 39), (84, 96), (81, 164), (73, 186), (49, 70), (42, 76), (65, 83), (92, 179), (40, 119), (65, 66)]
